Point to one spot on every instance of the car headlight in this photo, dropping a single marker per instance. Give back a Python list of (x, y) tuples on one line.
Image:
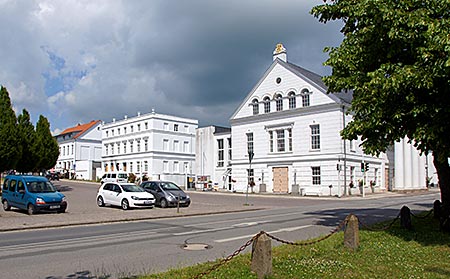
[(187, 197), (40, 201), (134, 198), (64, 199)]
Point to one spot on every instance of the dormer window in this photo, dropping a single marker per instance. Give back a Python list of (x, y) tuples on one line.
[(266, 105), (255, 105), (279, 102)]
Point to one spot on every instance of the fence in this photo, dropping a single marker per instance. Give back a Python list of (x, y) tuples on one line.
[(261, 262)]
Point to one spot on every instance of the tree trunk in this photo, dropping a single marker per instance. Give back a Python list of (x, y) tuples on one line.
[(443, 172)]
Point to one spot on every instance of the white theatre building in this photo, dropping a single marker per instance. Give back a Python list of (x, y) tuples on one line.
[(292, 127), (160, 146)]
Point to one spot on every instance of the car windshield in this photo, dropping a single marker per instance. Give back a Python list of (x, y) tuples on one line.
[(132, 188), (40, 187), (169, 186)]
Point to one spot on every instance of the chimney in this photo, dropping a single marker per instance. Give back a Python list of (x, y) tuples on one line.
[(280, 53)]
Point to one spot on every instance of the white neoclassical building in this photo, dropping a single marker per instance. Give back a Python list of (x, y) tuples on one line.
[(213, 158), (80, 150), (286, 138), (157, 145)]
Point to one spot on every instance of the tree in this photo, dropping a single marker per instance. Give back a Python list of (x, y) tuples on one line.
[(46, 146), (9, 150), (25, 130), (395, 57)]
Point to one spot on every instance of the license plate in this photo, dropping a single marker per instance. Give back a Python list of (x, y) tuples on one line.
[(54, 206), (182, 201), (147, 202)]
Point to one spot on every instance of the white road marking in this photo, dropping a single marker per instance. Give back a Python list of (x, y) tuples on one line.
[(271, 232)]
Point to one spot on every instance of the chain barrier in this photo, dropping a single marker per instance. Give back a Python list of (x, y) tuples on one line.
[(378, 229), (229, 258), (335, 230), (422, 217)]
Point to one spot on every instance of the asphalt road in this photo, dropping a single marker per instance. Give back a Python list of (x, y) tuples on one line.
[(112, 250)]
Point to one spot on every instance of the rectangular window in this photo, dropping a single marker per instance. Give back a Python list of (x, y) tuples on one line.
[(186, 128), (352, 176), (118, 148), (139, 127), (124, 147), (186, 146), (352, 145), (279, 104), (250, 143), (220, 159), (175, 127), (315, 137), (289, 139), (305, 100), (72, 149), (138, 146), (146, 125), (166, 166), (280, 141), (131, 166), (165, 144), (186, 167), (107, 134), (112, 133), (176, 146), (176, 167), (255, 108), (131, 146), (112, 149), (106, 149), (124, 130), (138, 166), (266, 106), (271, 140), (146, 145), (118, 131), (315, 175), (131, 128), (229, 149), (145, 166), (166, 126), (292, 102)]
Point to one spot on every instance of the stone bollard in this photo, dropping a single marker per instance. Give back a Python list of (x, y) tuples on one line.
[(405, 218), (437, 209), (351, 233), (262, 256)]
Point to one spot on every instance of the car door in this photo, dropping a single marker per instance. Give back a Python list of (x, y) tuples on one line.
[(13, 195), (21, 198), (116, 196), (156, 191), (106, 193)]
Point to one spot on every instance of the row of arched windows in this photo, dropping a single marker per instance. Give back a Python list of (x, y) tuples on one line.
[(278, 99)]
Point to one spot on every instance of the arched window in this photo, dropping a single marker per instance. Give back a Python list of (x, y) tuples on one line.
[(305, 97), (292, 101), (266, 105), (279, 102), (255, 105)]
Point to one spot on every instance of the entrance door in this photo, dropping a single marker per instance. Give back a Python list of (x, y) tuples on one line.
[(280, 180)]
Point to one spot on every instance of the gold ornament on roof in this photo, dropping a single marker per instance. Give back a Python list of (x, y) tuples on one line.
[(279, 48)]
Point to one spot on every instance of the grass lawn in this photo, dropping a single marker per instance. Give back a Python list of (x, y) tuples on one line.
[(423, 252)]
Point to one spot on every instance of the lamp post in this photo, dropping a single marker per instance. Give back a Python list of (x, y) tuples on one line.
[(250, 158)]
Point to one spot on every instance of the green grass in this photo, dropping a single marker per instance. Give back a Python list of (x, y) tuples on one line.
[(423, 252)]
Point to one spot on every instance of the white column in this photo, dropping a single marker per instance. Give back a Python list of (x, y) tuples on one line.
[(398, 165), (408, 162)]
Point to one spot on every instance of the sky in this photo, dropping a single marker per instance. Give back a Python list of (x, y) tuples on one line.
[(74, 61)]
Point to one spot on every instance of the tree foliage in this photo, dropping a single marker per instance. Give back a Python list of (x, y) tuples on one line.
[(46, 146), (28, 159), (395, 56), (9, 150)]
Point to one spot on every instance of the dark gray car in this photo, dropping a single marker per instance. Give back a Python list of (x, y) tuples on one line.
[(166, 193)]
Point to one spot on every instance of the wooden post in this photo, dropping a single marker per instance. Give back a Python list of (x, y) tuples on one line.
[(262, 256), (351, 233)]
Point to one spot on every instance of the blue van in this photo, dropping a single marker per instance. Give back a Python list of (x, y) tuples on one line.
[(32, 193)]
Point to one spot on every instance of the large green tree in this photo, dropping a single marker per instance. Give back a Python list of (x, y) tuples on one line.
[(46, 146), (25, 132), (9, 149), (395, 56)]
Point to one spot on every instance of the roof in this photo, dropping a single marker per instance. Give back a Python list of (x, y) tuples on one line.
[(80, 129)]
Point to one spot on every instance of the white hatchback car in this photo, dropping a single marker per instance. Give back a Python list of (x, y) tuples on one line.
[(125, 195)]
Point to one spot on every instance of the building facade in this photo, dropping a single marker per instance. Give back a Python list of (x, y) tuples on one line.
[(213, 158), (286, 138), (155, 145), (80, 151)]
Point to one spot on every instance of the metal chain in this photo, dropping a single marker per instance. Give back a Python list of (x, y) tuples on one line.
[(229, 258), (379, 229), (422, 217), (335, 230)]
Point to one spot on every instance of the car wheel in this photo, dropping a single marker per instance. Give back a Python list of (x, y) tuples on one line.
[(6, 205), (100, 201), (125, 204), (163, 203), (62, 210), (30, 209)]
